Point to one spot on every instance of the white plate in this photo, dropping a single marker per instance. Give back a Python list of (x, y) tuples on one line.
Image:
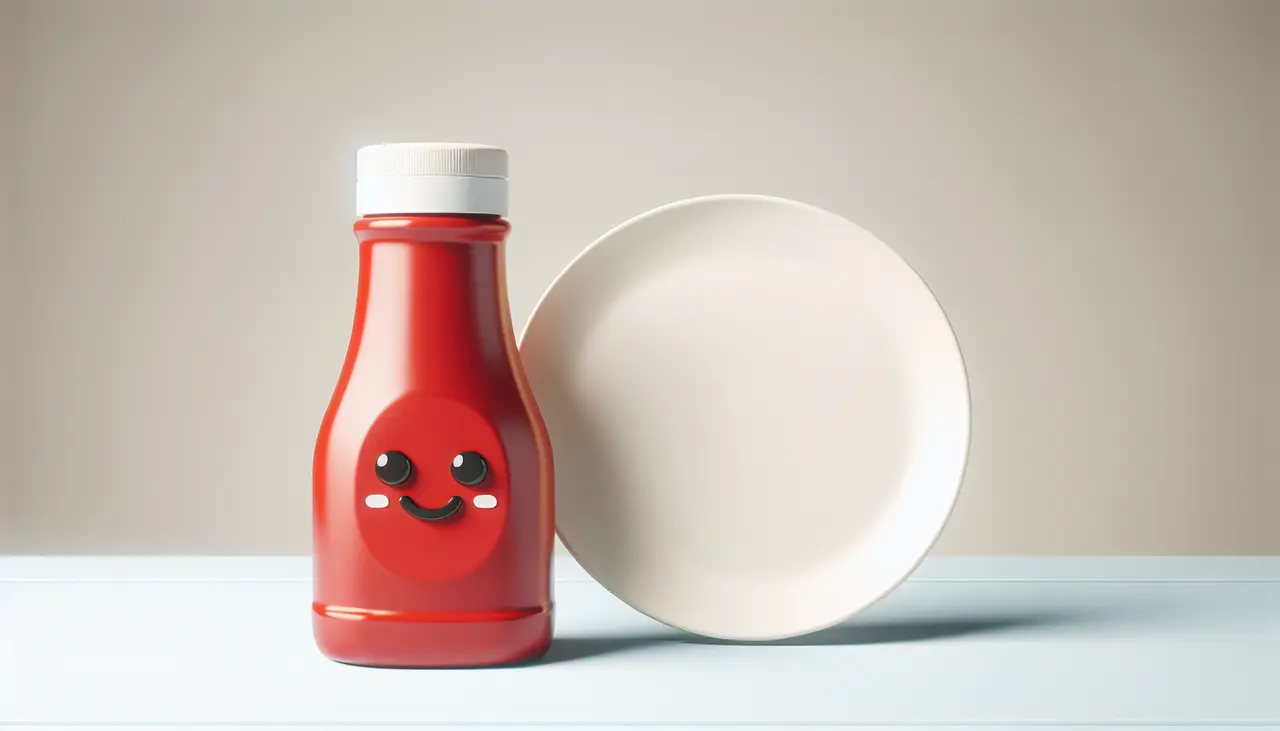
[(759, 415)]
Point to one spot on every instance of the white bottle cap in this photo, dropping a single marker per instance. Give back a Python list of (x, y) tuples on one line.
[(431, 177)]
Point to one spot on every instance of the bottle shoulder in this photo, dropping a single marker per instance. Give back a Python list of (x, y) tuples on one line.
[(364, 399)]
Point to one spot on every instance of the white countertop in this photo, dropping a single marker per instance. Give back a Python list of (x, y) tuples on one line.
[(966, 642)]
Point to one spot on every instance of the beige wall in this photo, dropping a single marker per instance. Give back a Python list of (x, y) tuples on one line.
[(1273, 279), (8, 417), (1080, 181)]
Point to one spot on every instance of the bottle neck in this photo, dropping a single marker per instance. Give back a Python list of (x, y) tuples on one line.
[(432, 304)]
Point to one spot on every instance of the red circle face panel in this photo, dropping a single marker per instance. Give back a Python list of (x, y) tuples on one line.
[(431, 489)]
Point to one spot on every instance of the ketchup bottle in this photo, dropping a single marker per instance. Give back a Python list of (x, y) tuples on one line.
[(432, 478)]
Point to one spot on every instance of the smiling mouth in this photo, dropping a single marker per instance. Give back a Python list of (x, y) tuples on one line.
[(421, 513)]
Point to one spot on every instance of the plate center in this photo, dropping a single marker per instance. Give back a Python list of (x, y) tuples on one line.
[(781, 414)]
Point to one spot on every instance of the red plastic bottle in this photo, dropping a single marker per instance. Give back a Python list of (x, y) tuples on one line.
[(433, 507)]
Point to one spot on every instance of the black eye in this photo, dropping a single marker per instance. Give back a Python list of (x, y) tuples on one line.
[(394, 468), (469, 468)]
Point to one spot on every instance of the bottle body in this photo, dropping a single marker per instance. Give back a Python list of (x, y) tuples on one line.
[(432, 483)]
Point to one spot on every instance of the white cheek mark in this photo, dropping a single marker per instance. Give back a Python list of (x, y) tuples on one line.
[(484, 502), (377, 501)]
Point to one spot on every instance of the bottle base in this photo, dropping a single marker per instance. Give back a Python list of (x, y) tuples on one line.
[(432, 644)]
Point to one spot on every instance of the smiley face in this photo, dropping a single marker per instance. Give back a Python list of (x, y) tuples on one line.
[(468, 468), (431, 489)]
